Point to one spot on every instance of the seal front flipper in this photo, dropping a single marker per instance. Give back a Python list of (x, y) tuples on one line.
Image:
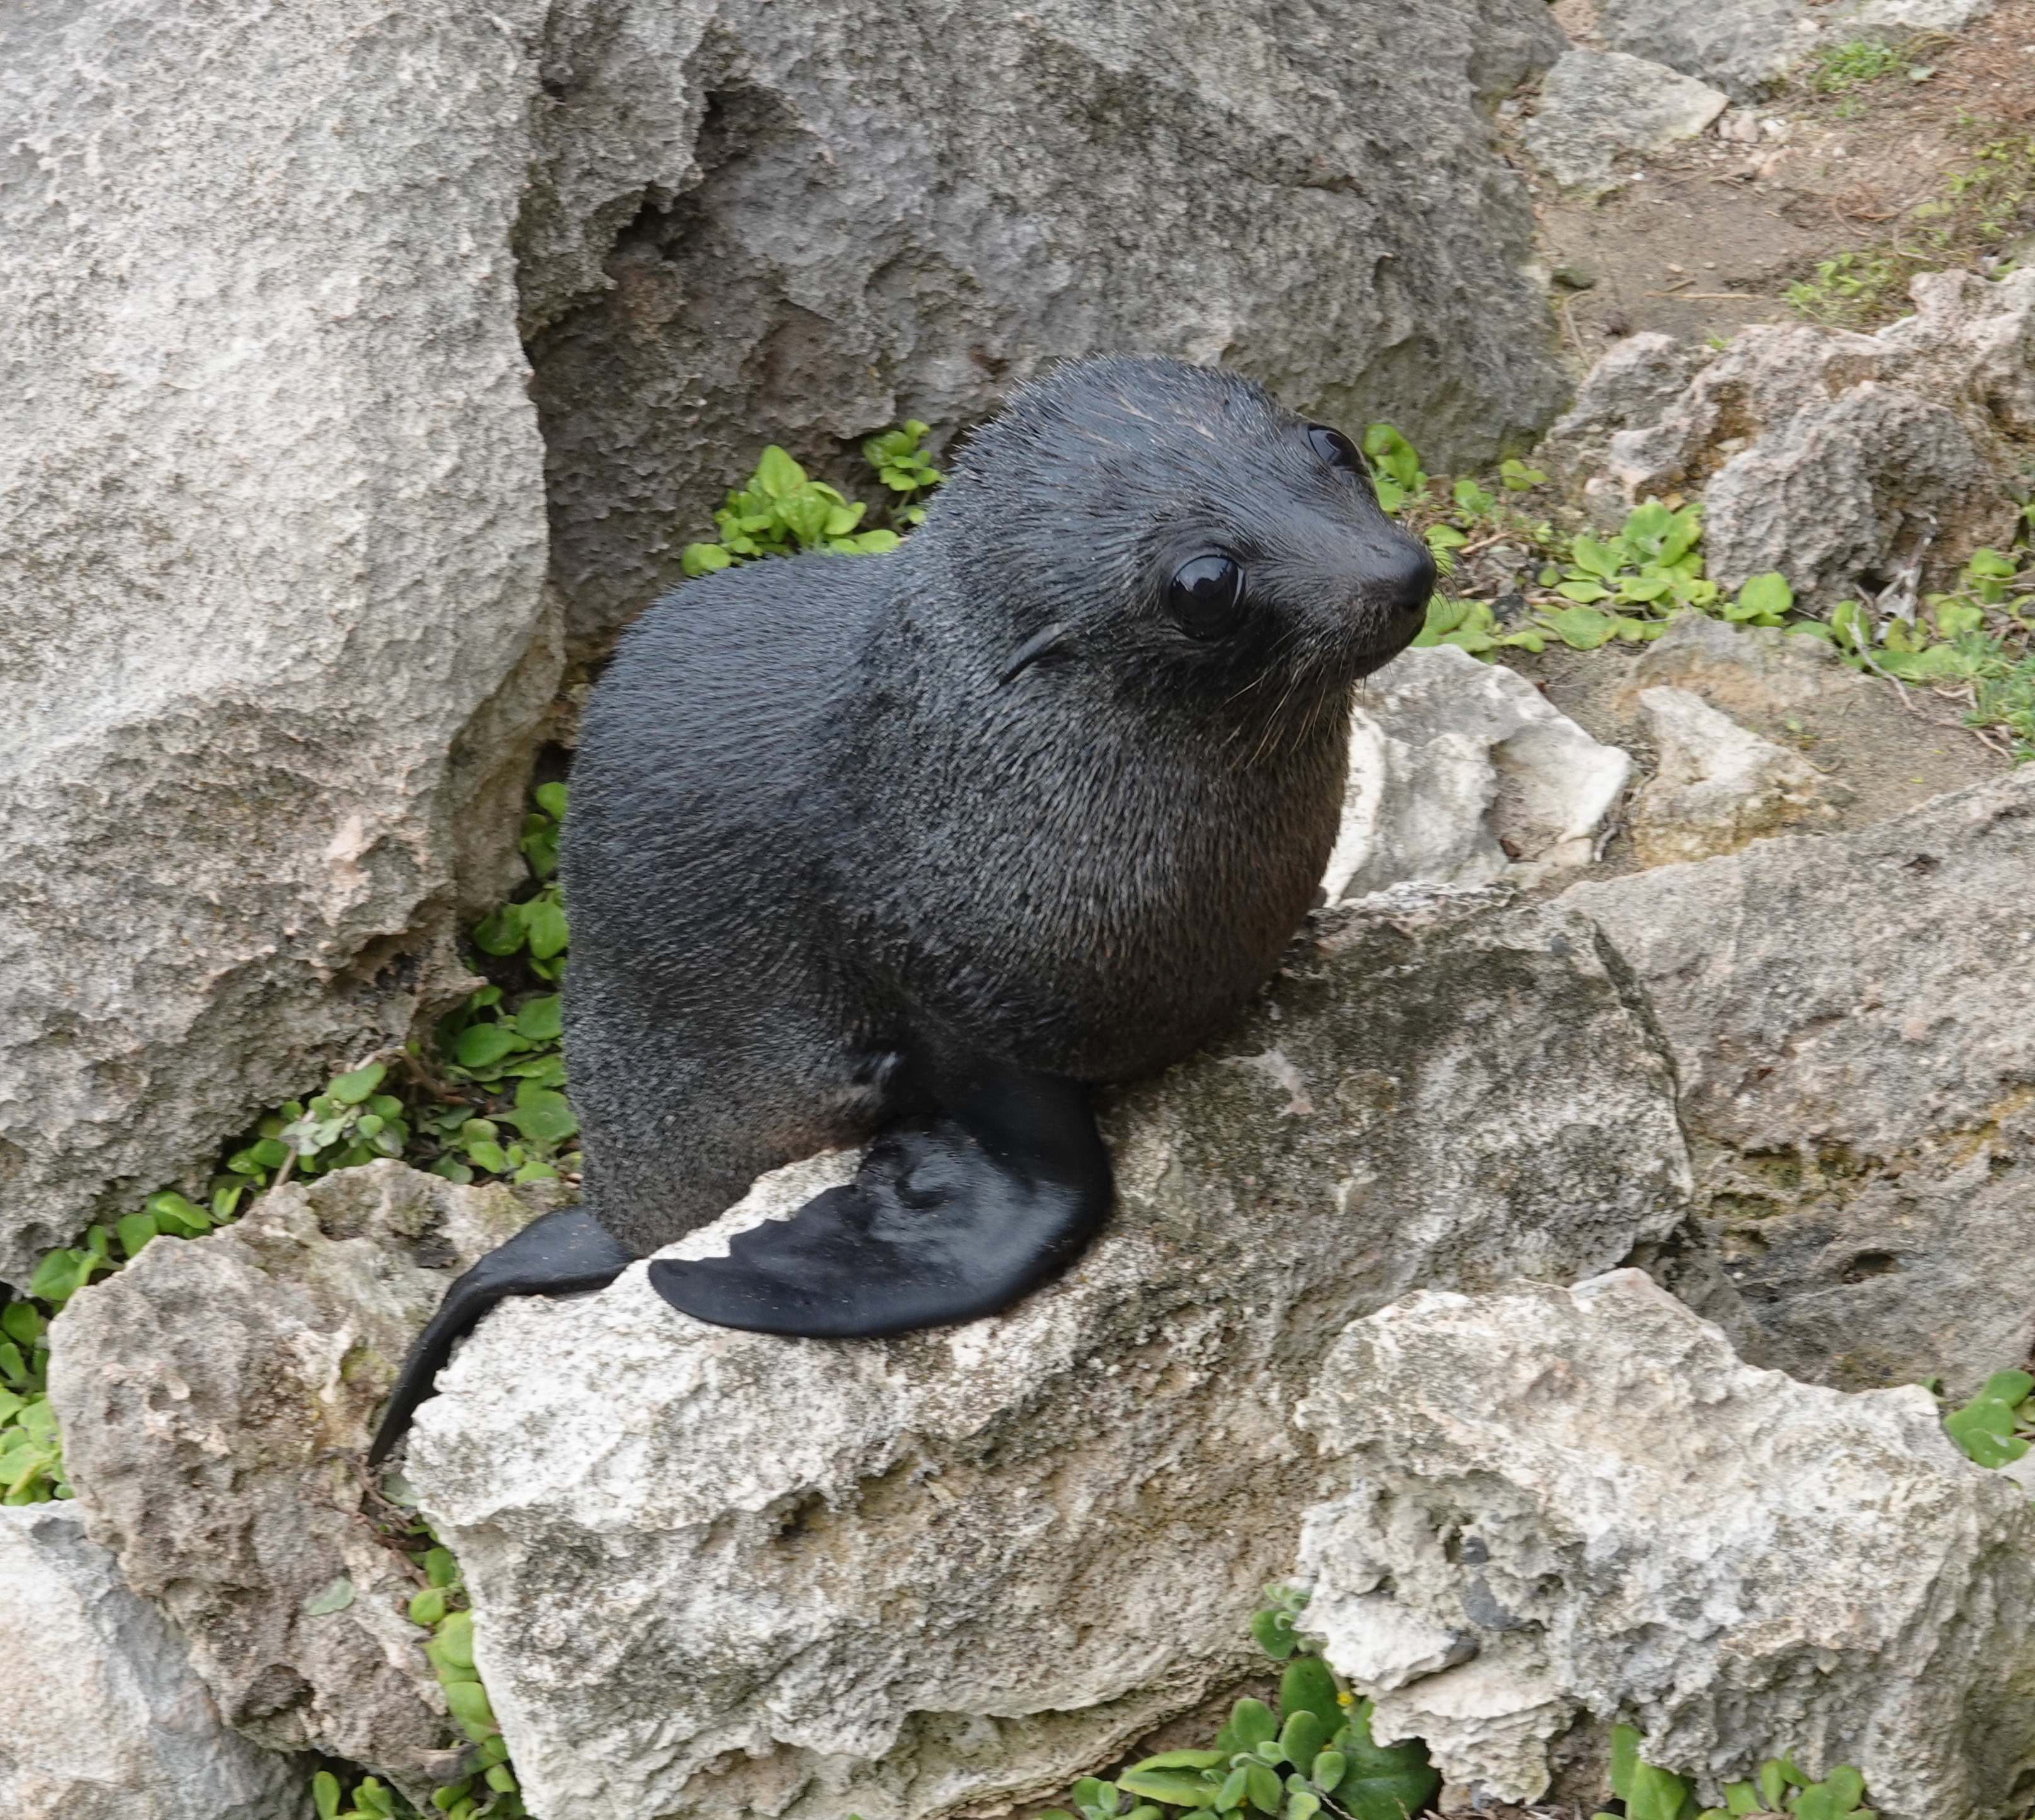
[(951, 1216), (557, 1253)]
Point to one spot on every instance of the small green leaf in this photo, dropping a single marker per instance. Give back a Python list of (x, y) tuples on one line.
[(1263, 1787), (698, 559), (440, 1568), (502, 931), (1584, 591), (428, 1606), (1251, 1723), (1580, 628), (777, 475), (551, 798), (483, 1045), (335, 1597), (135, 1230), (1772, 1780), (22, 1322), (1273, 1632), (1177, 1791), (324, 1795), (1624, 1759), (470, 1707), (455, 1639), (542, 1115), (545, 918), (542, 1020), (351, 1090), (1178, 1760), (1741, 1798)]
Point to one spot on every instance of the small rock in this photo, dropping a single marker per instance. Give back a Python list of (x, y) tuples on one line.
[(1844, 461), (214, 1399), (101, 1717), (1716, 785), (1745, 46), (1747, 671), (1558, 1502), (719, 1576), (1853, 1023), (1463, 772), (1596, 104), (1636, 382)]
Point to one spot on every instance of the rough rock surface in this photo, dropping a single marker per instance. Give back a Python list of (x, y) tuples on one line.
[(100, 1716), (1854, 464), (745, 229), (1596, 104), (1749, 46), (272, 544), (1716, 785), (1853, 1024), (214, 1397), (1462, 773), (1746, 671), (1587, 1495), (718, 1575)]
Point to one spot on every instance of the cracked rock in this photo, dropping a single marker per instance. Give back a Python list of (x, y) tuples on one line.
[(719, 1576), (1556, 1502), (101, 1717), (1464, 773), (1852, 1019), (214, 1398), (1716, 785)]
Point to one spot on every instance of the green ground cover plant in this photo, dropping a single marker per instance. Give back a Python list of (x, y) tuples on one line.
[(1980, 212), (1778, 1789)]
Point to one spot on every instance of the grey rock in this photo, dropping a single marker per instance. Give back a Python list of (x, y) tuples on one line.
[(1745, 46), (272, 541), (1853, 1024), (1855, 465), (1595, 105), (1746, 671), (1561, 1502), (1464, 773), (215, 1397), (720, 1575), (1635, 383), (100, 1716), (1716, 785), (745, 229)]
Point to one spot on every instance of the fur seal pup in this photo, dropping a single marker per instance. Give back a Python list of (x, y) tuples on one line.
[(923, 844)]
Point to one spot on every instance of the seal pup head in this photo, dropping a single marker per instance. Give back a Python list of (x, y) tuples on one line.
[(1175, 527)]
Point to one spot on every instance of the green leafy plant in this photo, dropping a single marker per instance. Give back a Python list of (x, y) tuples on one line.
[(902, 464), (782, 510), (1994, 1426), (1314, 1755), (1395, 468), (1853, 64), (1649, 1793)]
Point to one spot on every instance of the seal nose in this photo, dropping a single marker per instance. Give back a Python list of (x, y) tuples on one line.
[(1404, 577)]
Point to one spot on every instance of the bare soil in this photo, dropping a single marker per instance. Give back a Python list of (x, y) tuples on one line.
[(1705, 238)]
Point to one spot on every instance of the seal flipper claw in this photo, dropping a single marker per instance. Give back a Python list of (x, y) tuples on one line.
[(557, 1253), (951, 1218)]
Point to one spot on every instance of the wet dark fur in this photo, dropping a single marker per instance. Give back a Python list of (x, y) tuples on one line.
[(819, 849)]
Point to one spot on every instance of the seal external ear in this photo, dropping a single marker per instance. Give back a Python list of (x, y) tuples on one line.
[(952, 1216), (564, 1253)]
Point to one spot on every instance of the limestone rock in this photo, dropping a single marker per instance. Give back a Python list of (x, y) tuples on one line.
[(1585, 1502), (745, 229), (1462, 773), (1716, 785), (1859, 465), (100, 1716), (1745, 670), (1597, 104), (214, 1397), (272, 542), (1749, 46), (723, 1576), (1635, 383), (1853, 1024)]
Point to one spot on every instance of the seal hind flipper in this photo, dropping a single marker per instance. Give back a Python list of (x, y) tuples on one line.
[(557, 1253), (952, 1216)]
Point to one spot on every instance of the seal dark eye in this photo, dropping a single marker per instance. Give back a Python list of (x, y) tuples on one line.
[(1207, 596), (1335, 449)]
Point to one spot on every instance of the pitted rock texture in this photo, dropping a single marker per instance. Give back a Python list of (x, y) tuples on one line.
[(1867, 466), (745, 229), (1595, 105), (1853, 1025), (272, 545), (717, 1574), (100, 1716), (1581, 1501), (214, 1399), (1463, 773)]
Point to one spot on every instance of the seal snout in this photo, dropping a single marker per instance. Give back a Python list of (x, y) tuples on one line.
[(1399, 578)]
